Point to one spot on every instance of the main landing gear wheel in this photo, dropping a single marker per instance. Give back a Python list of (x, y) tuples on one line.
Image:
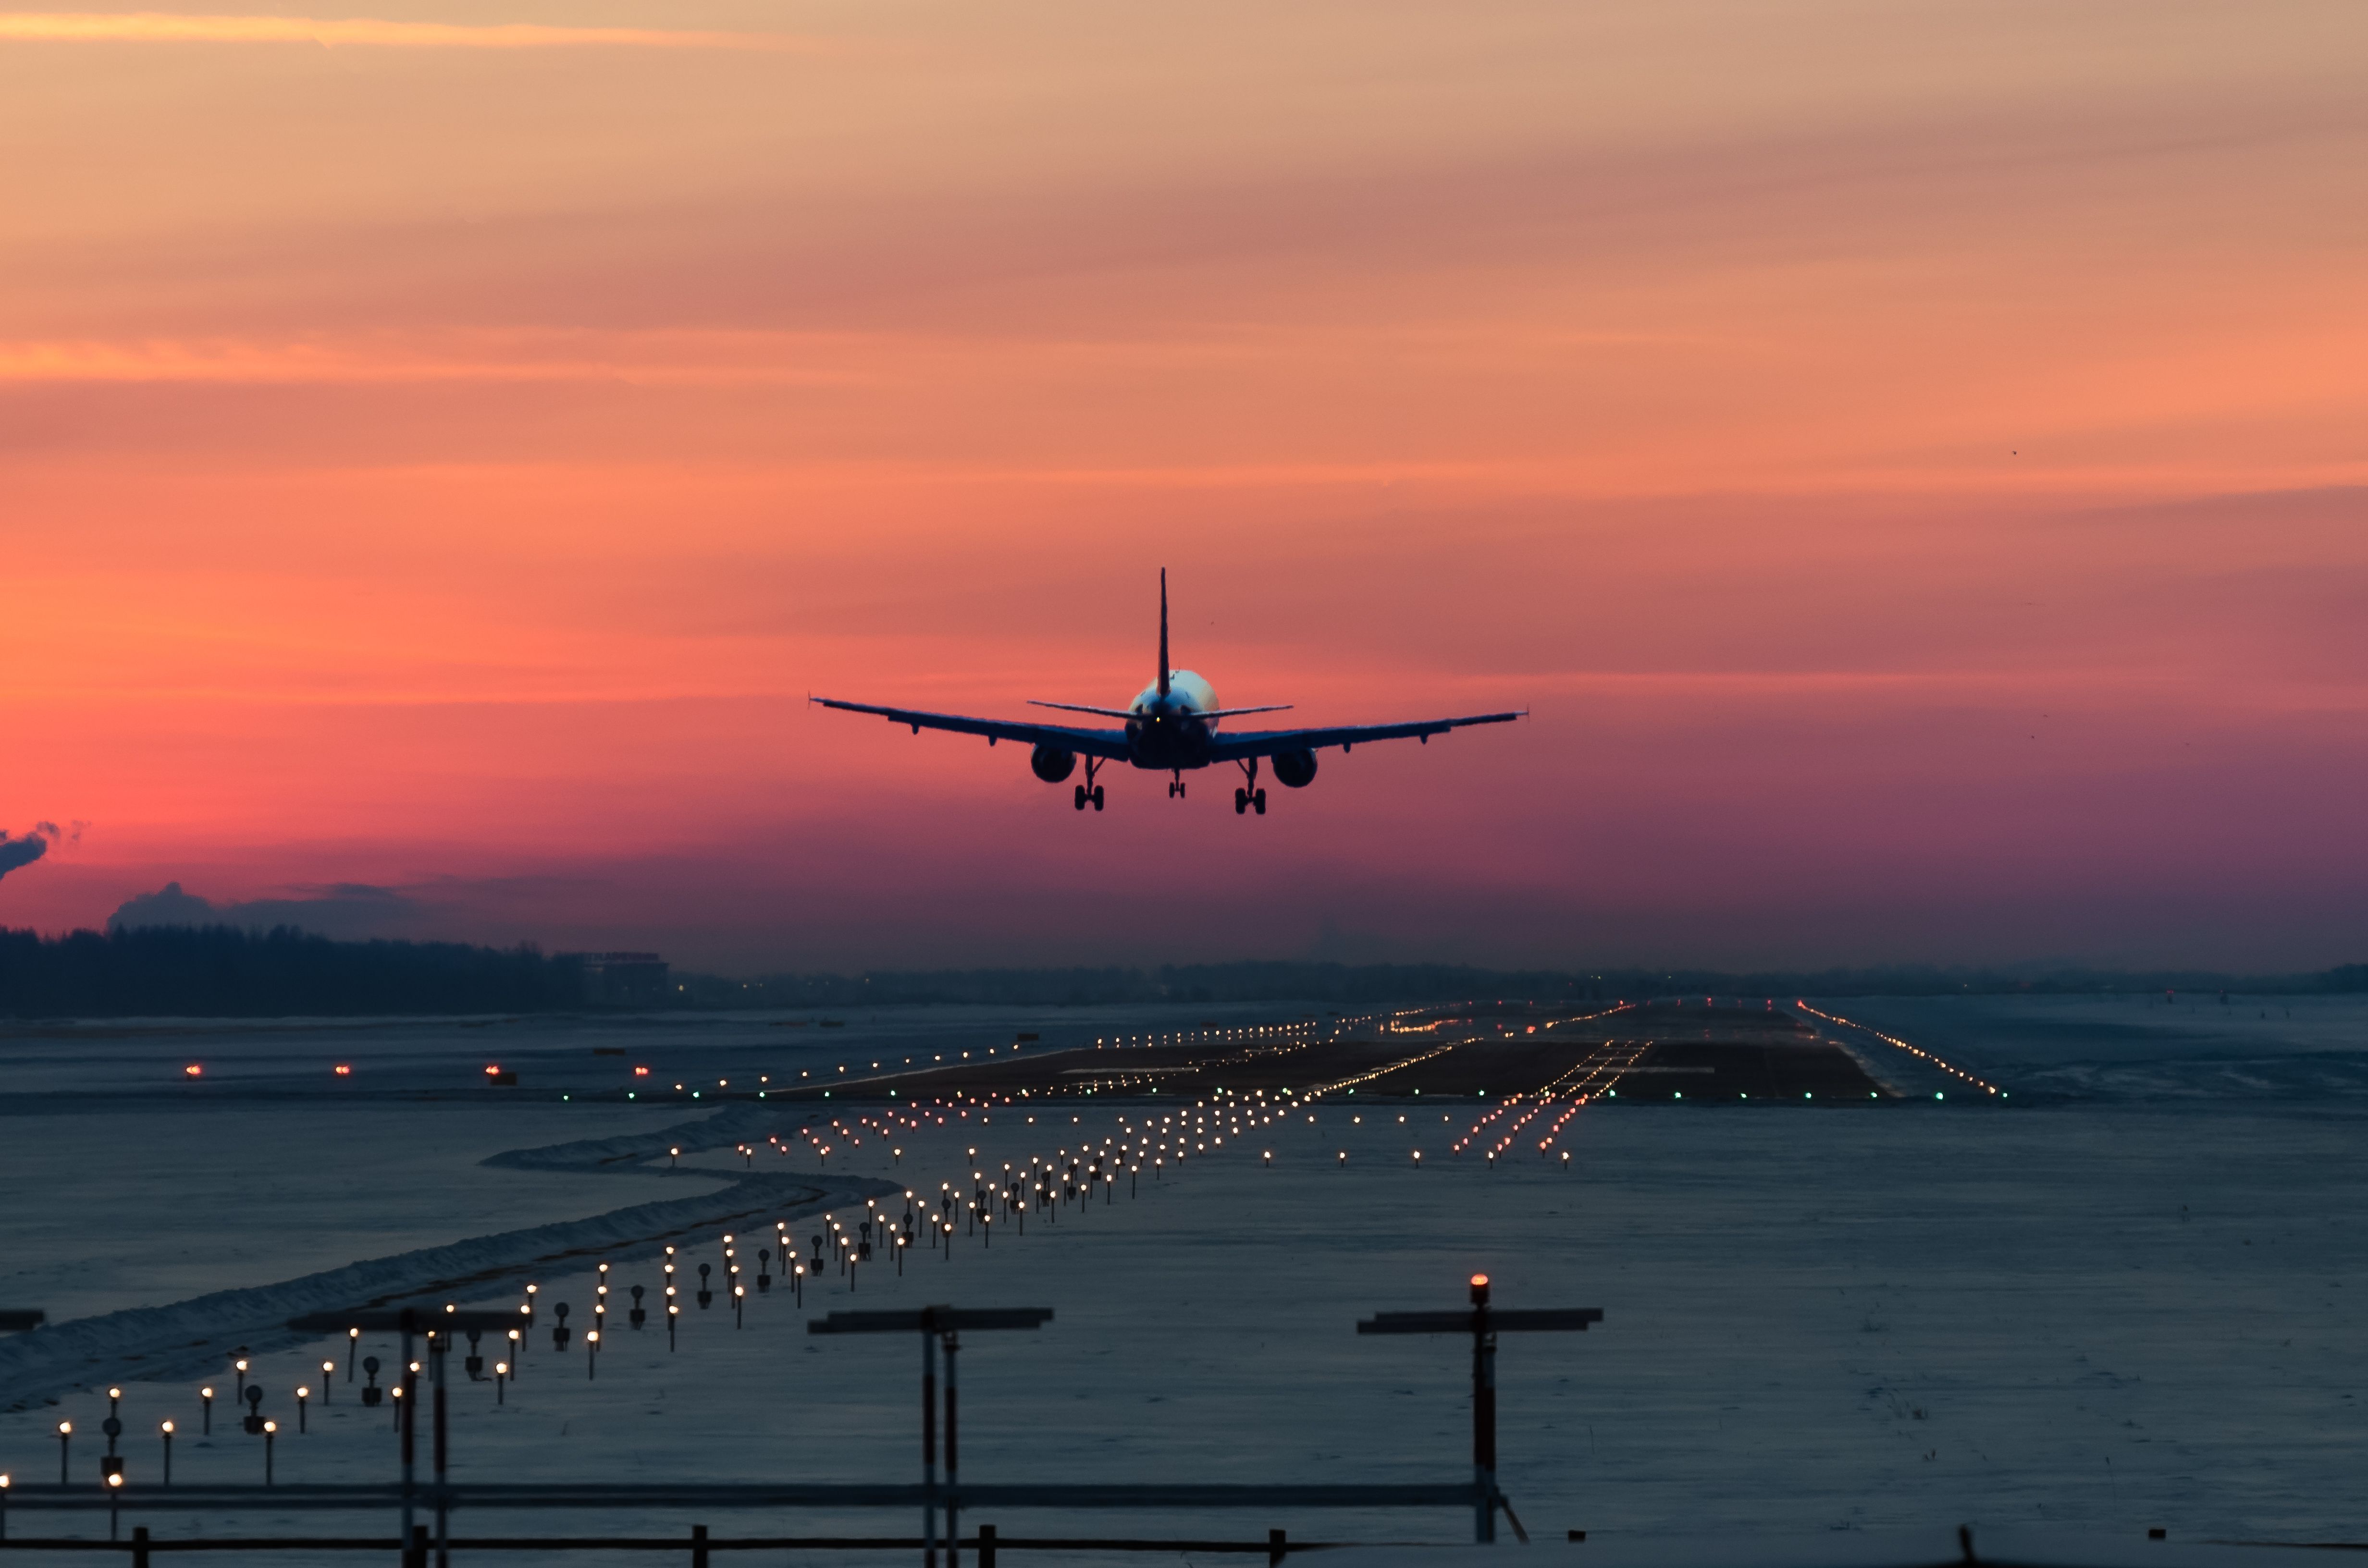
[(1241, 800), (1081, 797), (1096, 797), (1249, 800), (1257, 798)]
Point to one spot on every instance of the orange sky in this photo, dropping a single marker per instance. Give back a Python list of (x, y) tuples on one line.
[(1908, 457)]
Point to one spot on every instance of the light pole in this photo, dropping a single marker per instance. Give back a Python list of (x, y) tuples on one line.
[(940, 1328), (1484, 1325)]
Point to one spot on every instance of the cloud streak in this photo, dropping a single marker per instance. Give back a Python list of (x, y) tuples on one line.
[(16, 852), (347, 911), (670, 358), (155, 27)]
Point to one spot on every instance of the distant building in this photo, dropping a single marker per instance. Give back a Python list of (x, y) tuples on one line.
[(622, 980)]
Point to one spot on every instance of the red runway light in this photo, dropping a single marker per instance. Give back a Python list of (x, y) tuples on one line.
[(640, 1072), (493, 1068), (342, 1071), (194, 1070)]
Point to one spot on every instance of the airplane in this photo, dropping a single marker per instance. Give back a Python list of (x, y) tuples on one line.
[(1170, 728)]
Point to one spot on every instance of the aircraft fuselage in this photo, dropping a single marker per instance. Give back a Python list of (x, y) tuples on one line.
[(1171, 732)]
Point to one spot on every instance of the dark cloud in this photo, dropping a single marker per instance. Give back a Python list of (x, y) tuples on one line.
[(351, 911), (15, 852)]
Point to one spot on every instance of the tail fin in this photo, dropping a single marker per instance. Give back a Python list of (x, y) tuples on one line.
[(1163, 631)]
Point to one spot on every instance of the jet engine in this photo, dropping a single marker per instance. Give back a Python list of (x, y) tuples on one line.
[(1052, 764), (1295, 769)]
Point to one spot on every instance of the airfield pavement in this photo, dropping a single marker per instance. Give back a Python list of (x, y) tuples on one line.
[(1475, 1050), (1851, 1314)]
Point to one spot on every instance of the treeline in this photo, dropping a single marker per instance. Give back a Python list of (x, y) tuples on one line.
[(1337, 984), (1376, 985), (222, 971)]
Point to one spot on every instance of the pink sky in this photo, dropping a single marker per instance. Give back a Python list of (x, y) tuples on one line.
[(1909, 458)]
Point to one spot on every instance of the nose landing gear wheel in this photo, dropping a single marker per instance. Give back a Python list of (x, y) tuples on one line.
[(1257, 798), (1097, 797)]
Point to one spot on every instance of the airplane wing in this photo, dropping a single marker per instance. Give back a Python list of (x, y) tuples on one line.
[(1094, 743), (1268, 743)]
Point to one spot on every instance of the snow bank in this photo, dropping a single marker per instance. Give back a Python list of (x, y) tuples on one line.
[(189, 1338)]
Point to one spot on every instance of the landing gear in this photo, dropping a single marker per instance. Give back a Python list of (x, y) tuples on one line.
[(1176, 787), (1089, 790), (1250, 797)]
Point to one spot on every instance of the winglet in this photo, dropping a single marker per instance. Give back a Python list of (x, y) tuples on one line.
[(1163, 631)]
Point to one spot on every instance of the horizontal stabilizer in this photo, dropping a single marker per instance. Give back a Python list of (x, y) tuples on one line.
[(1081, 707), (1124, 714)]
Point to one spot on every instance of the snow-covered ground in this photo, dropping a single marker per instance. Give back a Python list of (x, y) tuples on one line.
[(2106, 1308)]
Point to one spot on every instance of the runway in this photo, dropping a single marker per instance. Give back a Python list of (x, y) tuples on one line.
[(1661, 1050)]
